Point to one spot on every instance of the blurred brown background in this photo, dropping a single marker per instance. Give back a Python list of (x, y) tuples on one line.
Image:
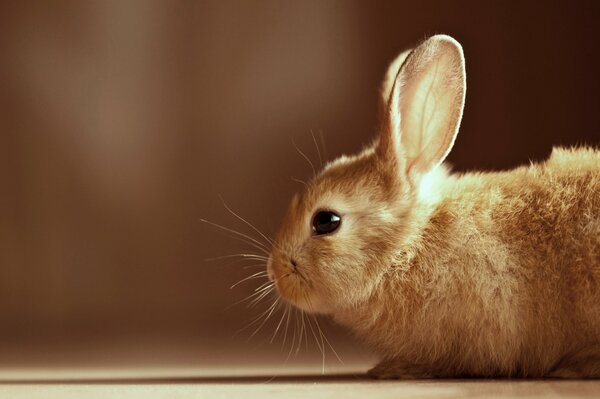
[(122, 122)]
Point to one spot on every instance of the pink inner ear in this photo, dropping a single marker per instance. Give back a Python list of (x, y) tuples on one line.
[(436, 138), (430, 103)]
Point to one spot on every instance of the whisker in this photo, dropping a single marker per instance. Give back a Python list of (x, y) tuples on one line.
[(323, 336), (323, 146), (256, 242), (279, 324), (258, 247), (296, 326), (256, 319), (305, 332), (261, 263), (294, 337), (317, 147), (272, 282), (265, 288), (263, 293), (305, 157), (272, 308), (299, 181), (300, 331), (287, 323), (260, 287), (262, 273), (246, 256), (322, 349), (322, 345), (269, 240), (327, 341), (247, 298)]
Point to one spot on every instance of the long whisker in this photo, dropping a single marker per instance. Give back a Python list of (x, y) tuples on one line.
[(266, 283), (299, 181), (287, 323), (322, 343), (305, 331), (312, 330), (247, 265), (321, 346), (262, 265), (257, 318), (261, 262), (263, 293), (269, 240), (254, 294), (305, 157), (294, 337), (322, 334), (246, 256), (265, 288), (323, 146), (252, 244), (272, 309), (279, 324), (295, 322), (318, 150), (327, 341), (300, 331), (263, 248), (260, 274)]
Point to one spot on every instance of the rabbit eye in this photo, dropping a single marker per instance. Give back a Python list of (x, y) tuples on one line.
[(325, 222)]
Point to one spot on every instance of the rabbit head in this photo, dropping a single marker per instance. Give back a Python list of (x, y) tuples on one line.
[(341, 234)]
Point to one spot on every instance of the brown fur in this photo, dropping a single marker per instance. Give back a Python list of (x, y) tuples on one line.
[(482, 274)]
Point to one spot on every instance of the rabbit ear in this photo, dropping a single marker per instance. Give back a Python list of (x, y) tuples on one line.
[(389, 79), (425, 106)]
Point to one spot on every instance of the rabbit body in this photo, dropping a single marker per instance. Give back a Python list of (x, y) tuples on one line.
[(502, 280), (480, 274)]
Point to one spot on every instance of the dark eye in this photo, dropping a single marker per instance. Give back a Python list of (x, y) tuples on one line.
[(325, 222)]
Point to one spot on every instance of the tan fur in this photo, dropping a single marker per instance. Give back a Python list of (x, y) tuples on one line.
[(480, 274)]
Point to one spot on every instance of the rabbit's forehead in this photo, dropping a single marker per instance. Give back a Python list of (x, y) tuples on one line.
[(348, 190), (338, 201), (351, 185)]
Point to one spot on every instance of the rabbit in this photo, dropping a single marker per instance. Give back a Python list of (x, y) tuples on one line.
[(484, 274)]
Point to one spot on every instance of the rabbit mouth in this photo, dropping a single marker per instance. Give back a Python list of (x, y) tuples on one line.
[(289, 285), (293, 288), (292, 285)]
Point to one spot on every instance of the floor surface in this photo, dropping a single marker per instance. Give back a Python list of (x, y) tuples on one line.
[(172, 368), (265, 383)]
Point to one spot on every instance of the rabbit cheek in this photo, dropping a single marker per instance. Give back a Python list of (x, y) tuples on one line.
[(286, 287), (294, 288), (296, 292), (285, 279)]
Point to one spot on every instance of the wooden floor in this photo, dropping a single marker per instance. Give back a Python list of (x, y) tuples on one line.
[(306, 387), (174, 369), (92, 384)]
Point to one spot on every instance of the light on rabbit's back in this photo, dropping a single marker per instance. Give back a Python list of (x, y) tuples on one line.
[(480, 274)]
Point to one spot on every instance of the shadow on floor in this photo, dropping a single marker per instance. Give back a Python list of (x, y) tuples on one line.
[(256, 379)]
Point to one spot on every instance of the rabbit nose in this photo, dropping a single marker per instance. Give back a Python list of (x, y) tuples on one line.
[(294, 264)]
